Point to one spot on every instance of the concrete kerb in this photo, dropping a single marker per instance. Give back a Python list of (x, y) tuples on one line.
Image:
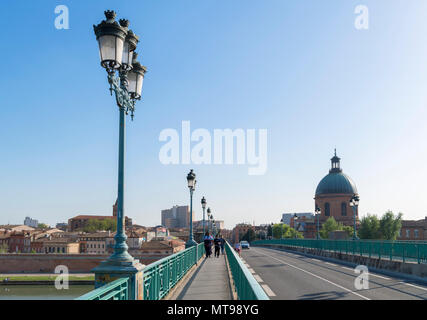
[(347, 263)]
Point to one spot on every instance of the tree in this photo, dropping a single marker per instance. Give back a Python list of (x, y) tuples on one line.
[(330, 225), (386, 228), (390, 225), (281, 230), (269, 231), (94, 225), (4, 248), (249, 236), (42, 226), (369, 228)]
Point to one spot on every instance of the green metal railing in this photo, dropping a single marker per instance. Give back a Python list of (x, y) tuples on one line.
[(393, 250), (158, 277), (246, 286), (115, 290), (161, 276)]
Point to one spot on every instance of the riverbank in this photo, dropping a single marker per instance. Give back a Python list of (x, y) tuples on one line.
[(44, 279)]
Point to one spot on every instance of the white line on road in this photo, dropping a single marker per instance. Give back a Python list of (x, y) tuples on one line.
[(412, 285), (315, 275), (375, 275), (331, 264), (268, 291), (348, 268), (258, 278)]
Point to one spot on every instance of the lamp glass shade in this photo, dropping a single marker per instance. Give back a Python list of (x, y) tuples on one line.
[(127, 55), (135, 83), (111, 50)]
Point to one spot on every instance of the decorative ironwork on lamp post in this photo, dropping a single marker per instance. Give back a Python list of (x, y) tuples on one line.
[(117, 46), (354, 202), (191, 180), (203, 207), (318, 211)]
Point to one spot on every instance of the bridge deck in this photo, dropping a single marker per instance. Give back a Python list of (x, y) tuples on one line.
[(209, 282)]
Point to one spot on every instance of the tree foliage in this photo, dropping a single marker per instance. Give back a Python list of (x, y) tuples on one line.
[(281, 230), (386, 228), (94, 225), (42, 226), (249, 235), (332, 225)]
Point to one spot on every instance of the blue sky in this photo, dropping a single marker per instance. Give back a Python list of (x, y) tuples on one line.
[(299, 69)]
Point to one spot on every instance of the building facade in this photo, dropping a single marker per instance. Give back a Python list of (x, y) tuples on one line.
[(413, 230), (176, 217), (333, 195)]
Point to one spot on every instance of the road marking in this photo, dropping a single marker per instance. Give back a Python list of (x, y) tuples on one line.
[(251, 270), (317, 260), (316, 276), (348, 268), (331, 264), (412, 285), (258, 278), (268, 291), (375, 275)]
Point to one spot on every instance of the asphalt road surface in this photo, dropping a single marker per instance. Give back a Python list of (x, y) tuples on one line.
[(292, 276)]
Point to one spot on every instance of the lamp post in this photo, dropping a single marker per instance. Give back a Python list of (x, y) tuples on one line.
[(209, 219), (191, 180), (203, 207), (318, 225), (354, 202), (117, 46), (281, 228), (295, 224)]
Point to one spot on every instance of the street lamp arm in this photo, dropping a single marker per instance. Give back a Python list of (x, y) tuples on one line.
[(119, 86)]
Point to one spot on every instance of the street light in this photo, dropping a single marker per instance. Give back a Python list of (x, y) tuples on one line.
[(204, 207), (354, 202), (191, 180), (117, 45), (318, 211), (295, 224), (209, 219)]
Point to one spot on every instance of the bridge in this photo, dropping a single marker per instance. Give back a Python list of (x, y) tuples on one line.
[(283, 269)]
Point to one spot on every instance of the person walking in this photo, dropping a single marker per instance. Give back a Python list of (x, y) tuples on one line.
[(237, 248), (222, 244), (217, 243), (207, 240)]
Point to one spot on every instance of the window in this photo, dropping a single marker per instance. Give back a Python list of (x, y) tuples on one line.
[(327, 209), (343, 209), (408, 233), (416, 233)]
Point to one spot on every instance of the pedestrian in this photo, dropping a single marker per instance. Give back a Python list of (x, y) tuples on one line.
[(217, 243), (237, 248), (207, 240), (222, 244)]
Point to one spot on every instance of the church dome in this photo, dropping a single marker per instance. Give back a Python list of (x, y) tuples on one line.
[(336, 181)]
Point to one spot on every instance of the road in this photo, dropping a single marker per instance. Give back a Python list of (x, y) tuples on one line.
[(292, 276)]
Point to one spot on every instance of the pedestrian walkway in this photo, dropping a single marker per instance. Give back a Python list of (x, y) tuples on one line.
[(209, 282)]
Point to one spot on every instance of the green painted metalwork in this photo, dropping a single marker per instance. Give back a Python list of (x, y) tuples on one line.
[(161, 276), (246, 286), (415, 251), (115, 290)]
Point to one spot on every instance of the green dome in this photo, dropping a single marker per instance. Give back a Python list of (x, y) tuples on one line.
[(336, 182)]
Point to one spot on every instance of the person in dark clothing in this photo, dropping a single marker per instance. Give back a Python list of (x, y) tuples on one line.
[(207, 239), (217, 243), (222, 244)]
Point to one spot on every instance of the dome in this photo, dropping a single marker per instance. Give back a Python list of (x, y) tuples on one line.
[(336, 181)]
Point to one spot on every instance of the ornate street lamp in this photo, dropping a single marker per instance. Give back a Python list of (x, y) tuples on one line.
[(318, 211), (203, 207), (209, 219), (191, 180), (295, 224), (354, 202), (117, 46)]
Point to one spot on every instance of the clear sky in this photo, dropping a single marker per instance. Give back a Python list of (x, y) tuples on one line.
[(299, 69)]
